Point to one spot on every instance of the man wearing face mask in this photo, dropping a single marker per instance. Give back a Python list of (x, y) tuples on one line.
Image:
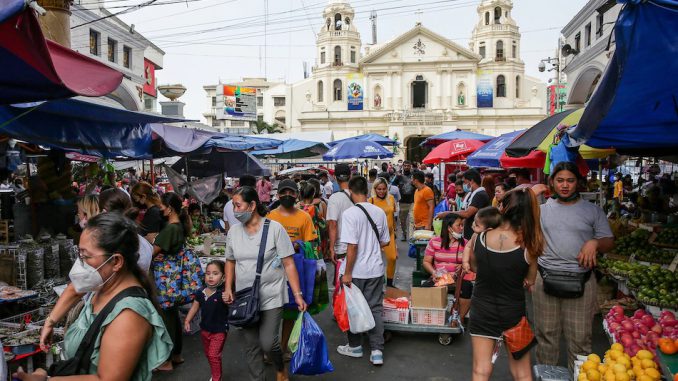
[(229, 217), (475, 199), (407, 189)]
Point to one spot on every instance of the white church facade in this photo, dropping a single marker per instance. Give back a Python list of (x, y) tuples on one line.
[(416, 85)]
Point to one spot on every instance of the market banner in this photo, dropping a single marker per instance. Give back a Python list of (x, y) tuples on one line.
[(485, 88), (235, 102), (356, 91)]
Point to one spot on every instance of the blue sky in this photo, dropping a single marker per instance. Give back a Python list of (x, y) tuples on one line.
[(211, 40)]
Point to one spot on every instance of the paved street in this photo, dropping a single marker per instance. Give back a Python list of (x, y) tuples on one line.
[(406, 356)]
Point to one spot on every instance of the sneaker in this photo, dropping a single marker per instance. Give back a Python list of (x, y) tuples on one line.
[(376, 357), (349, 351)]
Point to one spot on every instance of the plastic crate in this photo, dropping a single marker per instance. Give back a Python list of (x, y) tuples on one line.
[(428, 316), (395, 315)]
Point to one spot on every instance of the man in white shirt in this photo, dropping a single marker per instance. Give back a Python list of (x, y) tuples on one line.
[(365, 232), (337, 204), (327, 186), (229, 217)]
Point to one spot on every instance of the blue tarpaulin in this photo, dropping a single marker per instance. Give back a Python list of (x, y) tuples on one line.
[(455, 135), (294, 149), (357, 150), (379, 139), (84, 127), (489, 154), (241, 143), (635, 108)]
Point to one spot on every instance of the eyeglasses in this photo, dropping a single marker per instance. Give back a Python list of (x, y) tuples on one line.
[(82, 257)]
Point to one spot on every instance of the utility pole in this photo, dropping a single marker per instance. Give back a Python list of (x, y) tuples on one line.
[(265, 39), (373, 18)]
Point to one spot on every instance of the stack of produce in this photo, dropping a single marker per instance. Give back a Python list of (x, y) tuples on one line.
[(619, 268), (640, 331), (617, 365), (632, 243), (655, 286), (667, 237)]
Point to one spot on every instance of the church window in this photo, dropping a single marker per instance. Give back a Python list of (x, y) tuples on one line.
[(419, 92), (337, 89), (497, 15), (500, 50), (514, 50), (337, 55), (481, 49), (322, 56), (577, 41), (352, 55), (337, 21), (487, 18), (321, 90), (501, 86), (517, 86), (587, 34)]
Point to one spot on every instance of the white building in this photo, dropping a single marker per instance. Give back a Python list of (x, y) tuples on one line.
[(416, 85), (104, 37), (233, 125), (586, 38)]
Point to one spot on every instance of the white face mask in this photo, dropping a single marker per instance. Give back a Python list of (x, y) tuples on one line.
[(86, 278), (456, 235), (82, 223)]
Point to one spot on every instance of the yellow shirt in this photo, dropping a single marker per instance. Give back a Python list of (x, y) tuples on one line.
[(420, 210), (299, 226), (618, 189), (388, 206)]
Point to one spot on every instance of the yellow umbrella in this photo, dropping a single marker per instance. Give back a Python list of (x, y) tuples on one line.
[(586, 152)]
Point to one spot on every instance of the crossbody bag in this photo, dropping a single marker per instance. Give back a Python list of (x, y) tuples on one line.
[(244, 311), (80, 363), (564, 284)]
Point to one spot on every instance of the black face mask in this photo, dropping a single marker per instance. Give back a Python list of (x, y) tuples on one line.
[(574, 196), (287, 201)]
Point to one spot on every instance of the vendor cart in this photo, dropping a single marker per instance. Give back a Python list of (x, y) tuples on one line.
[(445, 333)]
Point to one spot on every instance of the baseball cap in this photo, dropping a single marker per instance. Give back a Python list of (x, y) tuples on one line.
[(342, 171), (287, 184)]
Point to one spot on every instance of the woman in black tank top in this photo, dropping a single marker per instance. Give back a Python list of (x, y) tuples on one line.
[(505, 262)]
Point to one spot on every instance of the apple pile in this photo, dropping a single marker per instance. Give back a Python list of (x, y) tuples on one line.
[(640, 331)]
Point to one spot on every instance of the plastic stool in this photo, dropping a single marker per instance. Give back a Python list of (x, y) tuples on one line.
[(551, 373)]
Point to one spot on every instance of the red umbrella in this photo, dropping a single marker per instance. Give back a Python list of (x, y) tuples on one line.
[(453, 150)]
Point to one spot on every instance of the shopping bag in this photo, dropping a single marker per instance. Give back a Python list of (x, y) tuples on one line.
[(412, 252), (360, 317), (321, 297), (340, 311), (293, 341), (192, 275), (167, 274), (441, 207), (311, 357)]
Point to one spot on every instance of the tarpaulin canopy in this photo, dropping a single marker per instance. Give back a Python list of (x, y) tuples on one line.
[(489, 154), (82, 126), (294, 149), (230, 163), (635, 108), (379, 139), (35, 69), (454, 150), (171, 141), (455, 135), (357, 149)]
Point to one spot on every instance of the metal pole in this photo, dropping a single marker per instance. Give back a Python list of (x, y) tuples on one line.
[(152, 174)]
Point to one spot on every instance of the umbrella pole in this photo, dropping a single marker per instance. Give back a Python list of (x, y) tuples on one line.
[(152, 174)]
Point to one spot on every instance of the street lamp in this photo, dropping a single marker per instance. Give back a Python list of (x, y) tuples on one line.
[(555, 65)]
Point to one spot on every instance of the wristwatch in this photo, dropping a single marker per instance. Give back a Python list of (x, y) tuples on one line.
[(298, 293)]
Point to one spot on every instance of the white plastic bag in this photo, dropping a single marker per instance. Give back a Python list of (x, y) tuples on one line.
[(360, 317)]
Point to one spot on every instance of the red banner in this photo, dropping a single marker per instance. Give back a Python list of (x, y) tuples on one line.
[(149, 76)]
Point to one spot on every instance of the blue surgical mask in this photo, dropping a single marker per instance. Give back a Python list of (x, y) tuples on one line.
[(467, 188)]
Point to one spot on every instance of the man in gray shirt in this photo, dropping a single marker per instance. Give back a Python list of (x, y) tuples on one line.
[(575, 231), (337, 204)]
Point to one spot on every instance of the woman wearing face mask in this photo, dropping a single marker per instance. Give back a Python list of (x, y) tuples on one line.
[(107, 268), (242, 251), (445, 254), (167, 245), (110, 201), (382, 198), (152, 221)]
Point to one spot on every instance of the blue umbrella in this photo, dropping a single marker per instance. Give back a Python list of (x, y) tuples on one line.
[(489, 154), (379, 139), (294, 149), (357, 150), (455, 135)]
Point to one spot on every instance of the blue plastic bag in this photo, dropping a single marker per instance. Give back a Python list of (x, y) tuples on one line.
[(412, 253), (441, 207), (306, 269), (311, 357)]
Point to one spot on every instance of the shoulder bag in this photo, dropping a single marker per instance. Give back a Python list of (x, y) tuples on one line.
[(244, 311), (564, 284), (80, 363), (374, 226)]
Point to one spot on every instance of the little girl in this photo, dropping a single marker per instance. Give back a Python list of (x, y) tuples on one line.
[(485, 219), (214, 316)]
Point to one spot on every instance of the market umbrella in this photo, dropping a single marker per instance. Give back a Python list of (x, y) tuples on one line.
[(36, 69), (379, 139), (294, 149), (536, 159), (454, 150), (488, 155), (541, 135), (230, 163), (455, 135), (357, 149)]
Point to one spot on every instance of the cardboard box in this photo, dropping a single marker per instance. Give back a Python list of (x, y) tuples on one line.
[(429, 297), (395, 293)]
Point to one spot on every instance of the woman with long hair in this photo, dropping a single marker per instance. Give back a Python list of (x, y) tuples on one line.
[(108, 249), (242, 250), (166, 247), (384, 200), (151, 219), (505, 262), (488, 184)]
